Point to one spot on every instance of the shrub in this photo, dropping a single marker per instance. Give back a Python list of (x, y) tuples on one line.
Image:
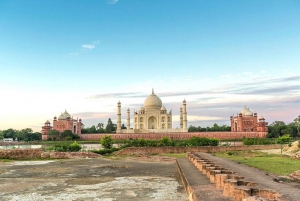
[(165, 141), (283, 139), (74, 147), (69, 138), (257, 141), (107, 142), (105, 151)]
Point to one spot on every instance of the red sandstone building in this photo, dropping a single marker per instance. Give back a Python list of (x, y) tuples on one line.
[(62, 123), (246, 121)]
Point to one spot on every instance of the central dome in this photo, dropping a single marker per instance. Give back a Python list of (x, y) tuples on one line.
[(246, 112), (152, 102)]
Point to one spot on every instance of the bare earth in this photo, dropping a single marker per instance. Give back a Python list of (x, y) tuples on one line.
[(90, 179)]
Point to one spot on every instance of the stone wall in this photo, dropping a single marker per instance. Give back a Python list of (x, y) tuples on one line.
[(206, 149), (176, 136)]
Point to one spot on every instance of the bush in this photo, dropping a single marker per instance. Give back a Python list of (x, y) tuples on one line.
[(74, 147), (68, 138), (107, 142), (257, 141), (105, 151), (283, 139), (64, 147)]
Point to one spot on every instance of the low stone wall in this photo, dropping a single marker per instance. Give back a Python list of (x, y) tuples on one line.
[(175, 136), (39, 153), (20, 153), (161, 150), (233, 185), (188, 188)]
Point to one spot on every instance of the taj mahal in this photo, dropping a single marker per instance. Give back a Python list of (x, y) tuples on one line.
[(153, 117)]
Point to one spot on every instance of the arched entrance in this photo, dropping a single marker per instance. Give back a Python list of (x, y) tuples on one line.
[(235, 126), (152, 123)]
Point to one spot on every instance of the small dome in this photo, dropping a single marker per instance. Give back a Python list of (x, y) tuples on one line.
[(61, 117), (153, 102), (261, 118), (142, 108), (163, 108), (55, 117), (64, 116), (246, 112), (47, 122)]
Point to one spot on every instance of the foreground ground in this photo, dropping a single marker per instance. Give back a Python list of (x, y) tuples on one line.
[(90, 179)]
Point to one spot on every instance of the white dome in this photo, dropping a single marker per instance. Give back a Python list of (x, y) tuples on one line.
[(64, 115), (152, 102), (246, 112)]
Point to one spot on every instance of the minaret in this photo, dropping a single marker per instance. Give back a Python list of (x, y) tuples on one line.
[(119, 118), (128, 119), (184, 114), (181, 118)]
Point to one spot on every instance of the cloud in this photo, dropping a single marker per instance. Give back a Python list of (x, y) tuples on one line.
[(118, 95), (88, 46), (112, 1)]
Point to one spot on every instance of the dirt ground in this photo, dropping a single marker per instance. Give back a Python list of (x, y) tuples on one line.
[(91, 179)]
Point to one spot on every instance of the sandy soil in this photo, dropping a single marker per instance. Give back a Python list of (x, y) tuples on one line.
[(90, 179)]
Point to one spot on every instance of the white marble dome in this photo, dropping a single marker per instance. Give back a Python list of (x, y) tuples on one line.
[(246, 112), (64, 115), (152, 102)]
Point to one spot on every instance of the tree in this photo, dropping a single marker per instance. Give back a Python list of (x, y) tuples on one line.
[(92, 130), (110, 126), (67, 133), (10, 133), (53, 134), (297, 124), (1, 135), (100, 126), (24, 134), (123, 126), (107, 142), (275, 129)]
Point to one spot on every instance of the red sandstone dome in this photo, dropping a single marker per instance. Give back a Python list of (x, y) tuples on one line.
[(153, 102)]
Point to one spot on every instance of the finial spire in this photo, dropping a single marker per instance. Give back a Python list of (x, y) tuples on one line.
[(152, 91)]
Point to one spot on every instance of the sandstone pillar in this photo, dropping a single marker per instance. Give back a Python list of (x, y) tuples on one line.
[(184, 117), (128, 119), (181, 118), (119, 118)]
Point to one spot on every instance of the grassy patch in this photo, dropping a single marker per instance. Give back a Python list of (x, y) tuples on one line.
[(183, 155), (273, 163)]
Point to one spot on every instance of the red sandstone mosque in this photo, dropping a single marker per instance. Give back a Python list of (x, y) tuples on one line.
[(246, 121), (62, 123)]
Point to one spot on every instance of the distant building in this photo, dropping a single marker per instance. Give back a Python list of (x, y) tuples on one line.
[(62, 123), (153, 118), (246, 121), (8, 140)]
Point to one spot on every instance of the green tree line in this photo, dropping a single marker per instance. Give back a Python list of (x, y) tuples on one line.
[(25, 134), (214, 128), (99, 128)]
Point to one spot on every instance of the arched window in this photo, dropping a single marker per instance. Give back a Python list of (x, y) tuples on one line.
[(163, 119), (141, 119)]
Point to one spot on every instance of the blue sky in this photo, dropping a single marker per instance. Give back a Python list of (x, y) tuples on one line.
[(84, 56)]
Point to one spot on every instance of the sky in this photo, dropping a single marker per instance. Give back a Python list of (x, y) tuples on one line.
[(85, 56)]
